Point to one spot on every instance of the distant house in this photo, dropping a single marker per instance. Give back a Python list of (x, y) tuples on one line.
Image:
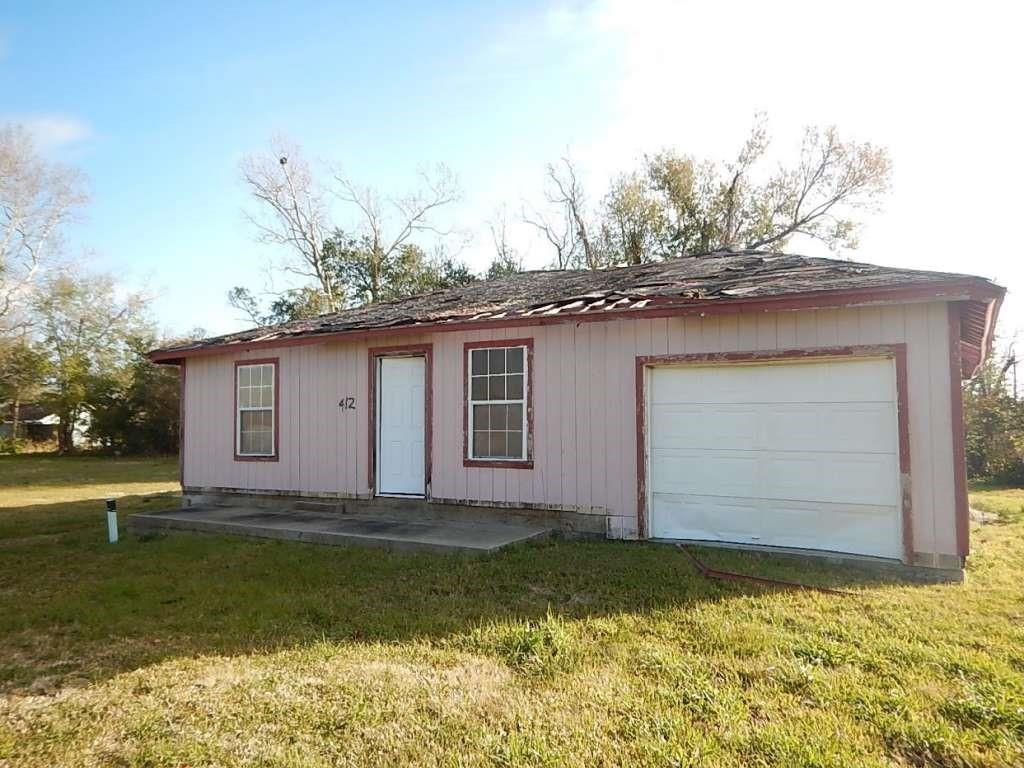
[(741, 397), (38, 424)]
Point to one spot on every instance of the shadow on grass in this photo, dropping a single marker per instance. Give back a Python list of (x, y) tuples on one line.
[(73, 605)]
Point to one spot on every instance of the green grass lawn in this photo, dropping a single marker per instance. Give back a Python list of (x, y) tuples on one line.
[(190, 650)]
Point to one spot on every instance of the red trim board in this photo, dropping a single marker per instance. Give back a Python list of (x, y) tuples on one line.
[(277, 409), (181, 423), (956, 399), (426, 351), (498, 463), (898, 353)]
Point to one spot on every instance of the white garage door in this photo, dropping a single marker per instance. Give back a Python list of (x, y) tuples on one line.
[(779, 454)]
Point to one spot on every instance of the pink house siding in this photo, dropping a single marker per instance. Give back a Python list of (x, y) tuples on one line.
[(584, 439)]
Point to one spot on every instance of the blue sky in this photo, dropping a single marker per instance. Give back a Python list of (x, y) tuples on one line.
[(158, 106)]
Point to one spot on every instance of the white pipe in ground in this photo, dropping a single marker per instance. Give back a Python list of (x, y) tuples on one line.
[(112, 520)]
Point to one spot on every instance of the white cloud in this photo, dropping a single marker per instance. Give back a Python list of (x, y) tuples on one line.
[(55, 131), (934, 84)]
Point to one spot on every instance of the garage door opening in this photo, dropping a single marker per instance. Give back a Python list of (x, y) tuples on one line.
[(781, 454)]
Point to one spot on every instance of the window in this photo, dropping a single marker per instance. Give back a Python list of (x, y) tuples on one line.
[(256, 400), (498, 403)]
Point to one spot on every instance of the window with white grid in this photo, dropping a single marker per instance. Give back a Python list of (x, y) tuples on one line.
[(255, 417), (497, 403)]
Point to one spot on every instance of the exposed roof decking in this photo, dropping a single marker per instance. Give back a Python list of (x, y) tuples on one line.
[(702, 283)]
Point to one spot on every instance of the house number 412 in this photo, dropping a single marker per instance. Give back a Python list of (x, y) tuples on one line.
[(347, 403)]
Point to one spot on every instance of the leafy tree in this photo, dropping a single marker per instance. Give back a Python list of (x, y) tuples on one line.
[(503, 266), (634, 220), (84, 328), (994, 420), (136, 408), (293, 304), (676, 205), (404, 271), (711, 206), (23, 371)]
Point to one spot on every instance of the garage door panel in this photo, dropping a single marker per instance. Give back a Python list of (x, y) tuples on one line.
[(777, 382), (856, 528), (687, 516), (845, 478), (788, 426), (863, 479), (859, 427), (796, 455), (730, 473), (705, 426)]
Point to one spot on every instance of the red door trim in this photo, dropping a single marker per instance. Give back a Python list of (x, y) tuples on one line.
[(897, 352), (426, 351)]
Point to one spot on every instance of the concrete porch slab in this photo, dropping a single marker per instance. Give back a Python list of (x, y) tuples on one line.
[(342, 530)]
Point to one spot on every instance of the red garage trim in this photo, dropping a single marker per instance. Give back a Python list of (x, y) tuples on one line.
[(526, 463), (956, 399), (426, 351), (181, 422), (276, 362), (973, 289), (898, 353)]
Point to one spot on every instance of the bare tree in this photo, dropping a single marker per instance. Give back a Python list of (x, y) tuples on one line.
[(36, 199), (506, 259), (565, 189), (567, 222), (387, 224), (557, 230), (293, 214)]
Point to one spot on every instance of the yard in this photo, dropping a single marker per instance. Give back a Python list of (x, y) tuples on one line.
[(190, 650)]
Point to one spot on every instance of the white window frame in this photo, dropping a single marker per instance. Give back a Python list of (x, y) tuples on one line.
[(239, 408), (524, 402)]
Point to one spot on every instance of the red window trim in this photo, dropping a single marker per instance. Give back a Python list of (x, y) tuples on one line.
[(897, 352), (526, 463), (276, 361), (426, 351)]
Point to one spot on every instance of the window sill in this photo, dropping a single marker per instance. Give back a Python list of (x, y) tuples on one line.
[(499, 463), (255, 458)]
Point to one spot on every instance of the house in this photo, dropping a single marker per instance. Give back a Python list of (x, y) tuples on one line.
[(744, 397), (38, 424)]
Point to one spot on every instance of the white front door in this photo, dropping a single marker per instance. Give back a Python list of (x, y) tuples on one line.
[(781, 454), (400, 425)]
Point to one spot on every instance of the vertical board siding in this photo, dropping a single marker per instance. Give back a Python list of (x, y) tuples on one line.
[(584, 439)]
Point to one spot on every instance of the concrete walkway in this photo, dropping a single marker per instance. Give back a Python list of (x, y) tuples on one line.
[(342, 530)]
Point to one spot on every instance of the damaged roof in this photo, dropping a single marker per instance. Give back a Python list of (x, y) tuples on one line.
[(686, 284)]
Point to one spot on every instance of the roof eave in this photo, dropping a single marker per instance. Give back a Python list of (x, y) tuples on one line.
[(957, 289)]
